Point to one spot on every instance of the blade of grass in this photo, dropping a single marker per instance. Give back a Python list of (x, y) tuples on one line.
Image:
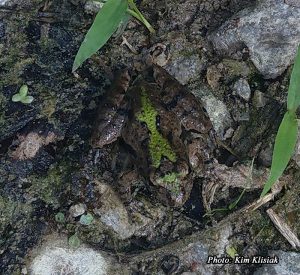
[(105, 24), (134, 11), (293, 100), (283, 149), (235, 203)]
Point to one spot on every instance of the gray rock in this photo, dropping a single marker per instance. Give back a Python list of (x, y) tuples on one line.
[(295, 3), (216, 110), (241, 87), (93, 7), (271, 31), (259, 99), (218, 114), (113, 212), (289, 264), (55, 257), (185, 63), (77, 210), (296, 156), (4, 2), (185, 68)]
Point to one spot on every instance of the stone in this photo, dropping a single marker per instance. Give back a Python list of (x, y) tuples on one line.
[(271, 31), (294, 3), (4, 2), (289, 264), (241, 88), (213, 77), (296, 156), (113, 213), (259, 99), (77, 210), (92, 7), (216, 110), (55, 257), (185, 63)]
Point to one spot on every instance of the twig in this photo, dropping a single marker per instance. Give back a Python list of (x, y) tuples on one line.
[(284, 229)]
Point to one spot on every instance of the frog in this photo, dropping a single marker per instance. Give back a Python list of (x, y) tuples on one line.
[(166, 128)]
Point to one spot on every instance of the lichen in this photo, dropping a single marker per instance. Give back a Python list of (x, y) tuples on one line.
[(169, 178), (171, 182), (158, 146)]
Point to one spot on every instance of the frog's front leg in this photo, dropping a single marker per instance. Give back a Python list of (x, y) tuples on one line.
[(112, 113)]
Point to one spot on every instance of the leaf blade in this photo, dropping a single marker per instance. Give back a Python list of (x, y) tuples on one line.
[(27, 99), (23, 90), (293, 100), (285, 142), (107, 21), (16, 98)]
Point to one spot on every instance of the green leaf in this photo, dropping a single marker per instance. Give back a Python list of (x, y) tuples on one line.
[(86, 219), (283, 149), (27, 99), (134, 11), (60, 217), (74, 241), (23, 90), (17, 98), (231, 251), (105, 24), (293, 100)]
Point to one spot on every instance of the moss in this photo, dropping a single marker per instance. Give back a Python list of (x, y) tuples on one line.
[(50, 187), (172, 182), (158, 146), (10, 211), (264, 231), (170, 178)]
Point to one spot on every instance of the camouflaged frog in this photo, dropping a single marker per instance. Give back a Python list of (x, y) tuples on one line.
[(165, 126)]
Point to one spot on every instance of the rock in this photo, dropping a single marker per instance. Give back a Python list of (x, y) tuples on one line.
[(241, 111), (259, 99), (241, 87), (271, 31), (3, 2), (296, 156), (229, 133), (140, 219), (31, 144), (113, 213), (77, 210), (185, 63), (213, 77), (55, 257), (216, 110), (265, 156), (92, 7), (289, 264), (294, 3)]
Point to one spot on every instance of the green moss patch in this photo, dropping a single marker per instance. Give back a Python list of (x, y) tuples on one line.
[(158, 146)]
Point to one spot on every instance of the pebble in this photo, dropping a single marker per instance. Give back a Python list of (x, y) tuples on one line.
[(242, 88), (77, 210), (271, 32), (259, 99)]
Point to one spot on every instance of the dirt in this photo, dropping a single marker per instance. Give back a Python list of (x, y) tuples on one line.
[(48, 166)]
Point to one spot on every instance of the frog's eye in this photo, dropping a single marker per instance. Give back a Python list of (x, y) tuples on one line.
[(158, 120)]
